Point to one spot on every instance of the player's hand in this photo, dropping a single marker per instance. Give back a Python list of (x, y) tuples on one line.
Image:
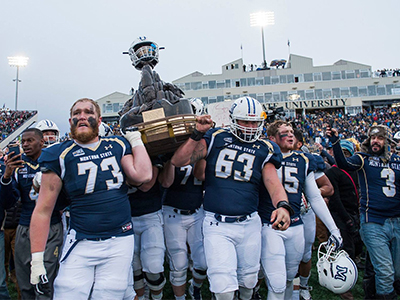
[(332, 134), (12, 162), (280, 218), (204, 123), (134, 138), (38, 274), (335, 240)]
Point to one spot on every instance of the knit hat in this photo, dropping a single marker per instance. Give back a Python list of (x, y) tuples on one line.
[(347, 145)]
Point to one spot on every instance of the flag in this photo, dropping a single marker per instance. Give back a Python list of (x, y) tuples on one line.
[(288, 43)]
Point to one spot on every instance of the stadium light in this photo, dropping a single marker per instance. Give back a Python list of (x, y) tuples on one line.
[(262, 19), (17, 61)]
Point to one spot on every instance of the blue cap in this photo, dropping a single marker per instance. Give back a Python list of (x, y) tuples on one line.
[(347, 145)]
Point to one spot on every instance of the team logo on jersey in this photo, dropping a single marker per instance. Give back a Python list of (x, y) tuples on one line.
[(295, 159), (256, 146), (126, 227), (228, 139), (23, 171), (78, 152), (108, 147)]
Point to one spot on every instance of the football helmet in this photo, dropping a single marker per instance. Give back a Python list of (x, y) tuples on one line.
[(336, 270), (396, 137), (197, 106), (49, 126), (143, 51), (104, 130), (246, 109)]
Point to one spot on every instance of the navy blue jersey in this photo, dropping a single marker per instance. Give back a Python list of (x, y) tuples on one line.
[(143, 203), (94, 180), (320, 163), (234, 172), (186, 192), (293, 173), (21, 186), (379, 184)]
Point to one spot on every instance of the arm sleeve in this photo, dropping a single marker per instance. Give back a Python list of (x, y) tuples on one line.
[(317, 202), (352, 163), (330, 158)]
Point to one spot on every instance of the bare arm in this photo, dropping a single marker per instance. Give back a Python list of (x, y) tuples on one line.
[(325, 186), (200, 170), (137, 166), (167, 175), (40, 223), (277, 193), (193, 150), (148, 185)]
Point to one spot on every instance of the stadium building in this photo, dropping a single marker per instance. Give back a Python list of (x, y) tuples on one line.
[(298, 86)]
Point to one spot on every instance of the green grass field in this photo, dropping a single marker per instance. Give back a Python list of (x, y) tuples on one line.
[(318, 292)]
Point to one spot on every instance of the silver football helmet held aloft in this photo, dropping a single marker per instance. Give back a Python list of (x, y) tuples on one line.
[(143, 51), (51, 133), (197, 106), (246, 109), (336, 270), (104, 130)]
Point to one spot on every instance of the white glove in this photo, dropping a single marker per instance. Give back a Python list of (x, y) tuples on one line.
[(37, 267), (37, 181), (134, 138)]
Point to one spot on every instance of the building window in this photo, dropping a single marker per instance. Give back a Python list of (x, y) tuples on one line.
[(298, 78), (350, 74), (236, 66), (220, 84), (284, 96), (205, 85), (326, 76), (254, 96), (274, 79), (243, 82), (344, 92), (227, 83), (365, 73), (267, 80), (326, 93), (205, 100), (371, 90), (336, 93), (212, 84), (187, 86), (251, 81), (362, 91), (268, 97), (259, 81), (212, 100), (308, 77), (275, 96), (317, 77), (236, 97), (196, 85), (282, 79), (310, 95), (108, 108), (318, 94), (116, 107), (336, 75), (290, 79), (353, 91), (260, 98), (301, 94), (389, 89), (220, 98), (237, 83), (380, 90)]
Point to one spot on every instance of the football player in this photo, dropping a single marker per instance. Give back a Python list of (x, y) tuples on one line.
[(51, 133), (378, 171), (147, 220), (99, 247), (282, 251), (236, 159), (183, 219)]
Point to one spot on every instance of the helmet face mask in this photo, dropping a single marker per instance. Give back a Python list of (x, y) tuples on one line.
[(250, 110), (142, 52), (197, 106), (51, 133), (336, 270)]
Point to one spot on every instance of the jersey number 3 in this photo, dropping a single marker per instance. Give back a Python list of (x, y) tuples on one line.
[(227, 157)]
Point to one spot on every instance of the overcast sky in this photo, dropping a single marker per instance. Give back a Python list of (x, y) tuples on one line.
[(75, 47)]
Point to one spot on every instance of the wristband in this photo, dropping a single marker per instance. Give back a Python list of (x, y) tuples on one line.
[(197, 135), (286, 206)]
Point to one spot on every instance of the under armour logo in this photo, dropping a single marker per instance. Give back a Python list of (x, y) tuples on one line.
[(108, 147), (295, 159), (256, 146), (215, 223), (341, 273), (171, 216)]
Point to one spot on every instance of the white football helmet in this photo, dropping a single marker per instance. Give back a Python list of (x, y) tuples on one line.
[(396, 137), (197, 106), (142, 52), (336, 270), (246, 109), (104, 130), (49, 126)]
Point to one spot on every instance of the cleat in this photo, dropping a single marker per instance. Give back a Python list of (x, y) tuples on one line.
[(194, 291), (305, 292)]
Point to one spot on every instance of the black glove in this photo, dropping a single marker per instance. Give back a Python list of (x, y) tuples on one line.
[(43, 287)]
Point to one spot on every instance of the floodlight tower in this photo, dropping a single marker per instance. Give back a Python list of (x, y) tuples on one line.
[(17, 61), (262, 19)]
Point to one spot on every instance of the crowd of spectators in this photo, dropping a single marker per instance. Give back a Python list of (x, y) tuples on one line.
[(10, 120), (349, 126), (387, 72)]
